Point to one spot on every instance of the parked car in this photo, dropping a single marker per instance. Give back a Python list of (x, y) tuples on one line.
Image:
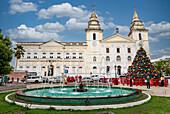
[(94, 78), (34, 79), (59, 79), (167, 77), (122, 76), (101, 78), (45, 80), (86, 79), (52, 80)]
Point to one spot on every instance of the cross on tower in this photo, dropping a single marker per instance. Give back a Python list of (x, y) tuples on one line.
[(93, 6), (134, 6)]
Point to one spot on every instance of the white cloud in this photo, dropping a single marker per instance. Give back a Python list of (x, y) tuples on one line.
[(110, 19), (108, 13), (151, 39), (160, 53), (123, 29), (108, 25), (82, 6), (163, 58), (40, 1), (149, 23), (40, 32), (22, 7), (15, 1), (158, 31), (50, 27), (73, 25), (64, 9)]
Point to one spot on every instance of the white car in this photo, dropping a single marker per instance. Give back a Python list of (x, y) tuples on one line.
[(94, 78), (52, 80), (59, 79), (86, 79), (34, 79)]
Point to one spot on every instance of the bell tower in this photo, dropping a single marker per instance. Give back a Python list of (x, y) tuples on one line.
[(139, 33), (94, 35)]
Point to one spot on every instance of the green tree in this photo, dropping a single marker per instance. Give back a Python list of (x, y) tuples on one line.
[(19, 51), (142, 67), (5, 54), (163, 66)]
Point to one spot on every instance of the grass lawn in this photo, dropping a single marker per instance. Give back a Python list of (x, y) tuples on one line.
[(157, 105)]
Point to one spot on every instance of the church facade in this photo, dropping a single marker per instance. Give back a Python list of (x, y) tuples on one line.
[(97, 56)]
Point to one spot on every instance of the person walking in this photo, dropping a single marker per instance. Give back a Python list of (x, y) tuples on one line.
[(148, 82), (131, 81), (162, 80)]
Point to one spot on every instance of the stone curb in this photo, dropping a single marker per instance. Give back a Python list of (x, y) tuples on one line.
[(115, 106)]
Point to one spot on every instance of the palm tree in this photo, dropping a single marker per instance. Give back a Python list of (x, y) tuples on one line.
[(19, 52)]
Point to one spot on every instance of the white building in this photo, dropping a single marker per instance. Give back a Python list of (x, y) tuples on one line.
[(97, 55)]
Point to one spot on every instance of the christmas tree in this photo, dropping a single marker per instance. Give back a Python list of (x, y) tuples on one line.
[(142, 67)]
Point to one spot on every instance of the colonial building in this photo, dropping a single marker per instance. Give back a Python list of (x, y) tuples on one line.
[(98, 55)]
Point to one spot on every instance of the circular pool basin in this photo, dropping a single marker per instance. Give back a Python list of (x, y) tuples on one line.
[(66, 95)]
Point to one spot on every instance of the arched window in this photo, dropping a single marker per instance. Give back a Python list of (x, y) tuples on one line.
[(80, 69), (35, 53), (94, 36), (34, 66), (107, 58), (21, 67), (129, 58), (118, 58), (107, 69), (44, 53), (119, 70), (94, 69), (94, 58), (51, 53), (27, 67), (140, 37)]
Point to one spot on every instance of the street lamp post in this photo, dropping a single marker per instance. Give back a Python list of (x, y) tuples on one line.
[(63, 67), (115, 71)]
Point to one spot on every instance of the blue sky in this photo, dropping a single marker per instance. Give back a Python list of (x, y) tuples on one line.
[(65, 20)]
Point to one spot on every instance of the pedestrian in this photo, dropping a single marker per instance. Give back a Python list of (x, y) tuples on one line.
[(76, 77), (148, 82), (162, 80), (131, 81), (80, 77)]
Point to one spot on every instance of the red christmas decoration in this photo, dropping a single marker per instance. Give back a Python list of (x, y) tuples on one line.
[(137, 52), (136, 71), (146, 59), (145, 75)]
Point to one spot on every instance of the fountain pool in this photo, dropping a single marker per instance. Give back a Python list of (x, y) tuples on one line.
[(66, 95)]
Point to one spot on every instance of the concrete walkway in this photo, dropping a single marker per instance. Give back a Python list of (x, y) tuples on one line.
[(155, 91)]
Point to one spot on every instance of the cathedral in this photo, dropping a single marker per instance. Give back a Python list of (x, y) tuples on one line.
[(109, 56)]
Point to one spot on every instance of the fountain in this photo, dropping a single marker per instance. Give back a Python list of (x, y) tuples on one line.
[(80, 89), (71, 96)]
